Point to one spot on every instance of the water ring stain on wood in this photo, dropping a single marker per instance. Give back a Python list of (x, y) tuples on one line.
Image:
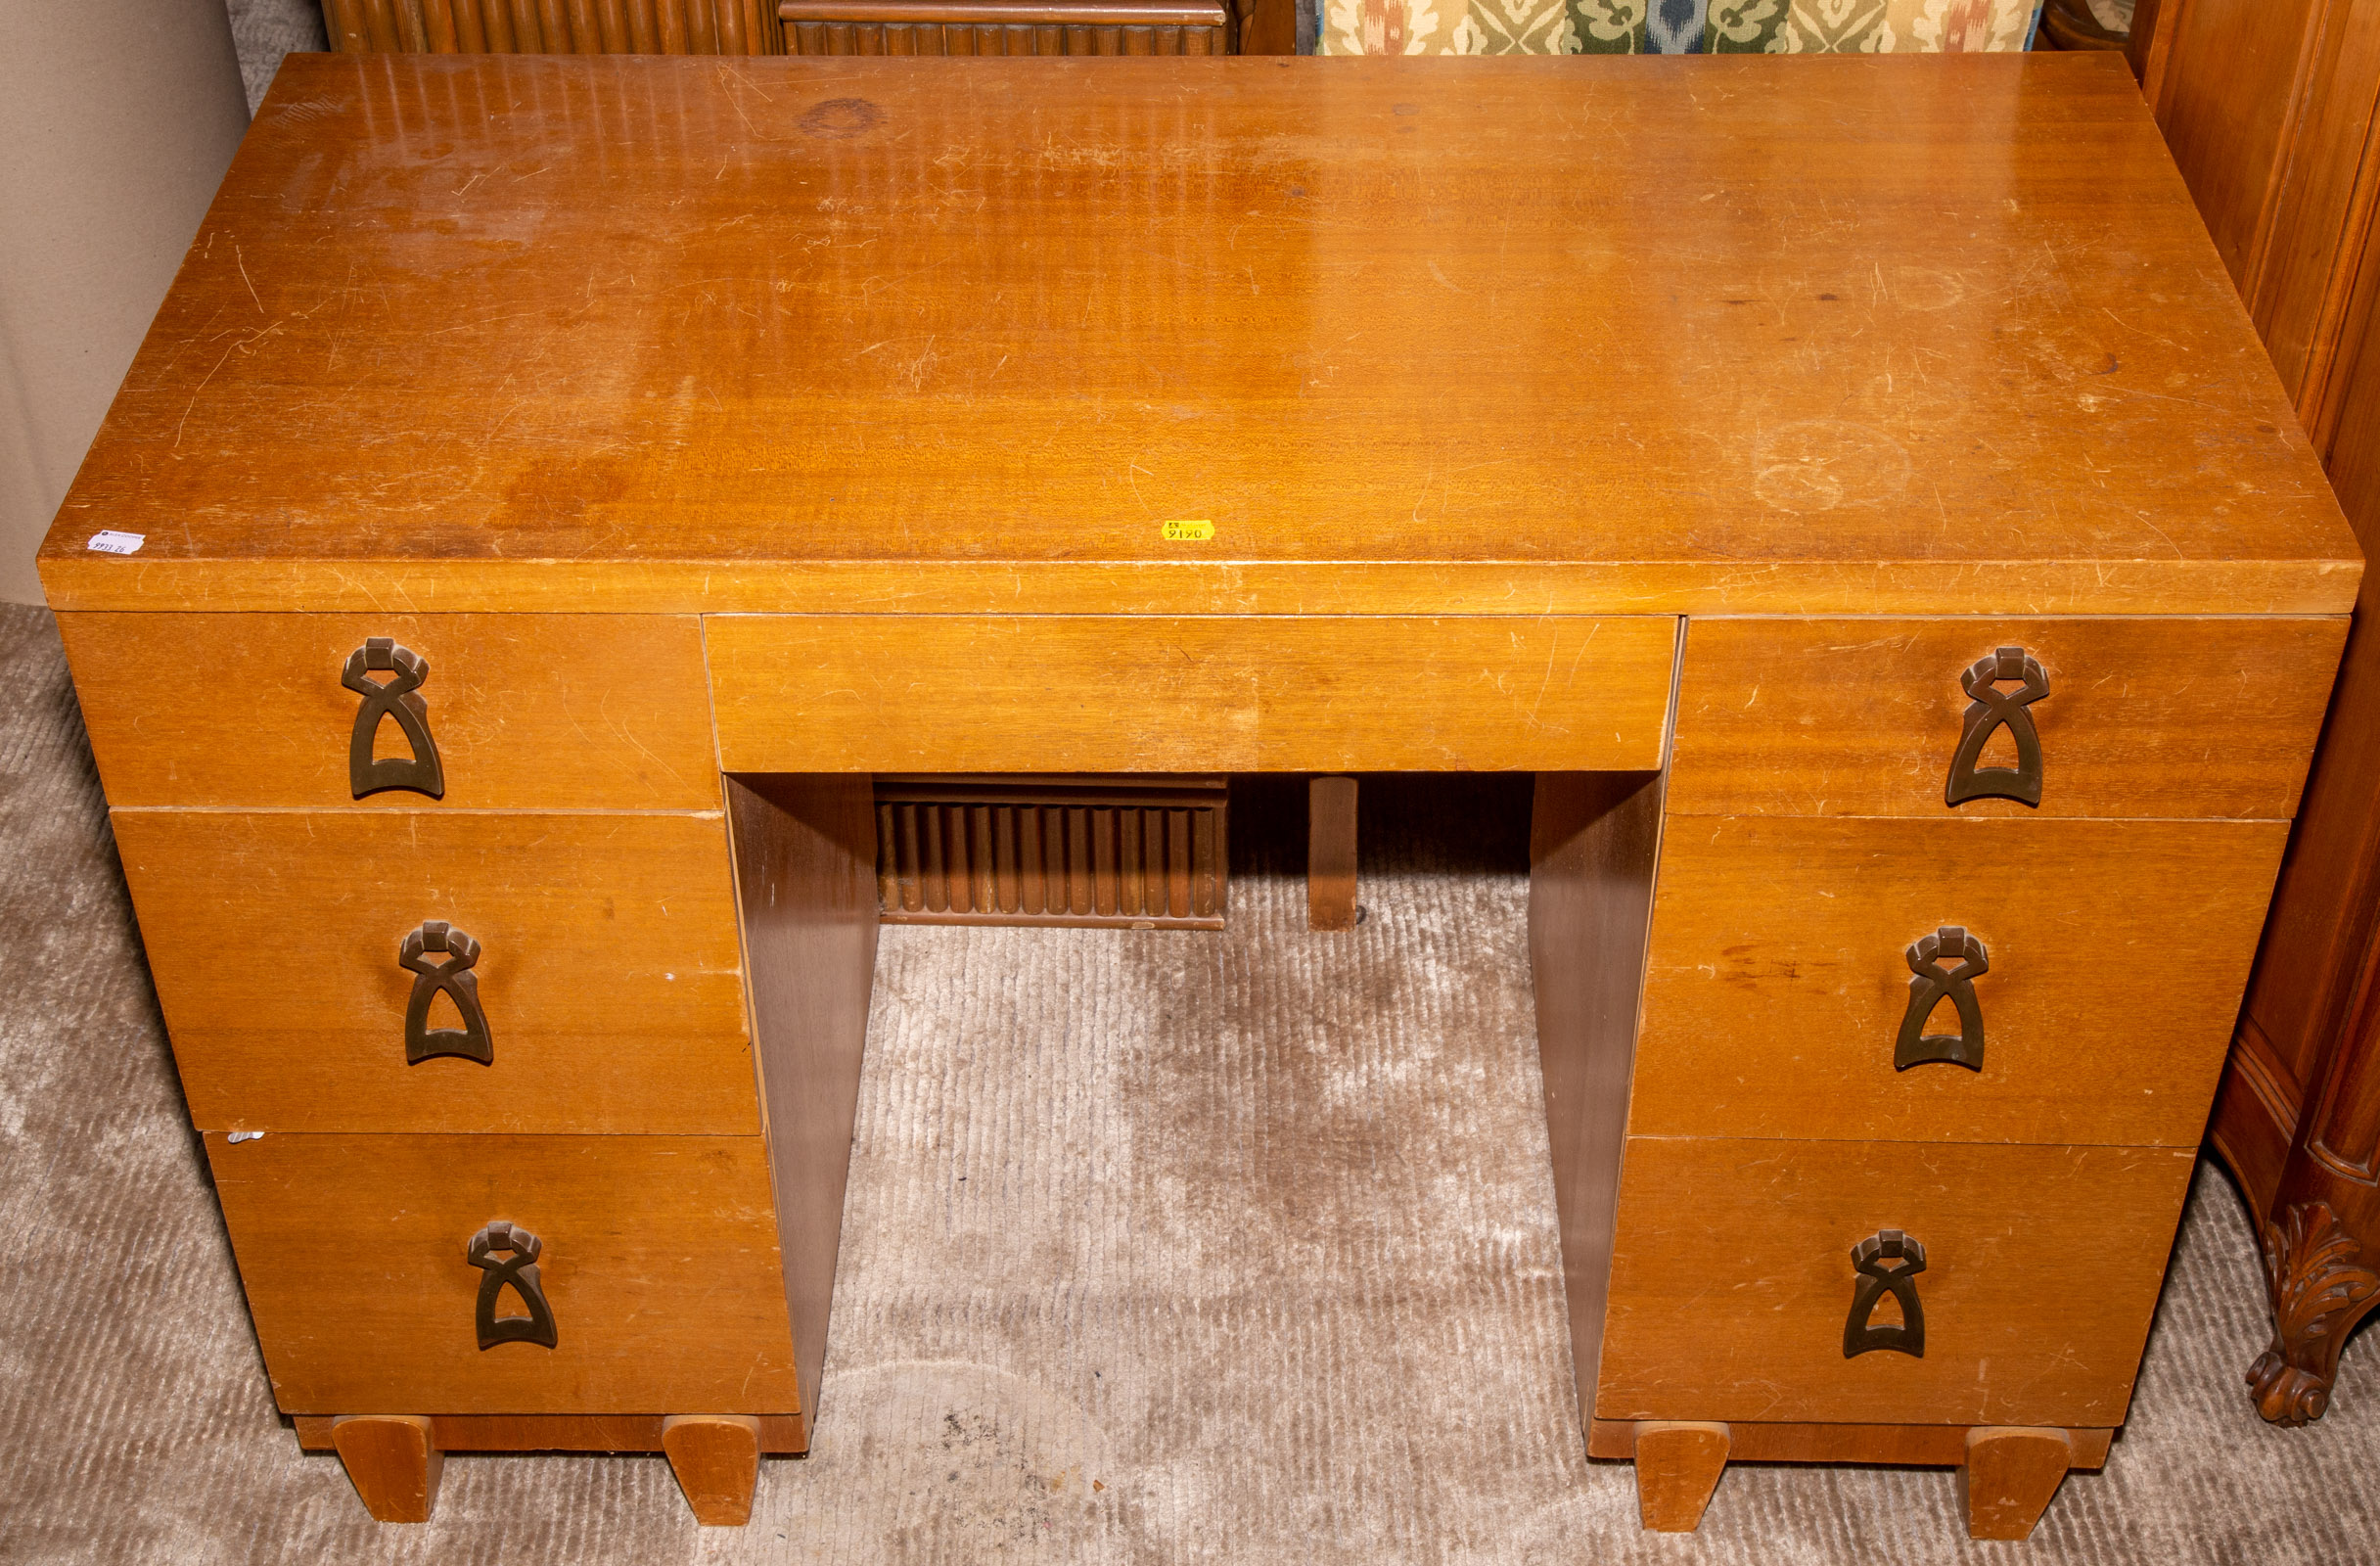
[(841, 116)]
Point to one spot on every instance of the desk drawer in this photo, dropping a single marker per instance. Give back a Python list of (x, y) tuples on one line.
[(658, 1260), (2143, 717), (1733, 1280), (607, 969), (2115, 955), (524, 711), (1058, 693)]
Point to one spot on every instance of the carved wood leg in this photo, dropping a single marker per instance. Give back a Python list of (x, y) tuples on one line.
[(1330, 854), (2320, 1290), (394, 1461), (716, 1457), (2010, 1476), (1677, 1467)]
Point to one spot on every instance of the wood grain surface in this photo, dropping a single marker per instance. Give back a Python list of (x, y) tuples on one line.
[(1731, 1279), (1340, 315), (1100, 693), (607, 970), (576, 711), (2144, 717), (1777, 983), (659, 1261)]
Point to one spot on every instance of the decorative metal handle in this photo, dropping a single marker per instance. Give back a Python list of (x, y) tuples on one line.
[(462, 987), (1888, 1262), (1915, 1046), (398, 697), (1990, 707), (507, 1256)]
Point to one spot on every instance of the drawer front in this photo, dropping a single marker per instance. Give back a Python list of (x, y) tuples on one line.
[(658, 1262), (1733, 1280), (580, 712), (2113, 955), (1057, 693), (2176, 718), (606, 971)]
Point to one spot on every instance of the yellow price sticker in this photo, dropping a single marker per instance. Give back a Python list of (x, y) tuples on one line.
[(1187, 531)]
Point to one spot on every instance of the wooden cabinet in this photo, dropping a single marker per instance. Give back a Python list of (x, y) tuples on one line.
[(2269, 105)]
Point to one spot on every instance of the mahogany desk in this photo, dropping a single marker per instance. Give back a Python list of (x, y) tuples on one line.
[(1787, 462)]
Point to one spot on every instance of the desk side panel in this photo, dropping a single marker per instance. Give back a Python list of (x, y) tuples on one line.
[(806, 880), (1593, 840)]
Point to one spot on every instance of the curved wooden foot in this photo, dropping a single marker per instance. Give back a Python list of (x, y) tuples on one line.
[(2320, 1290), (1677, 1467), (2010, 1476), (394, 1461), (716, 1457)]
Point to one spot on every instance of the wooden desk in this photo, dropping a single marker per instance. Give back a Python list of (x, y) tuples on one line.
[(1728, 442)]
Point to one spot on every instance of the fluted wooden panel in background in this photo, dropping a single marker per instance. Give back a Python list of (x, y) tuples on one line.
[(1002, 27), (554, 27), (1051, 850), (962, 38)]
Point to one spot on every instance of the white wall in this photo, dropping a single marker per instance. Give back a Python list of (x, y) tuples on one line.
[(118, 118)]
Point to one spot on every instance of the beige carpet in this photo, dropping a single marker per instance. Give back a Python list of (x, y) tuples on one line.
[(1161, 1248)]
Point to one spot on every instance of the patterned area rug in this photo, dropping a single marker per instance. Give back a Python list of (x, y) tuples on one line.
[(1226, 1248)]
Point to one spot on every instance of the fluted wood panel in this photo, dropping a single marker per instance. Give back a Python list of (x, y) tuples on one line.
[(556, 27), (959, 37), (1051, 851)]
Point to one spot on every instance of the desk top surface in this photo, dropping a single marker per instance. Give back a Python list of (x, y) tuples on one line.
[(1927, 335)]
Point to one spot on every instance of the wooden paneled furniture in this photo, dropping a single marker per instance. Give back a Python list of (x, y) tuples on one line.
[(840, 424), (813, 26), (1005, 27), (554, 27), (2269, 108)]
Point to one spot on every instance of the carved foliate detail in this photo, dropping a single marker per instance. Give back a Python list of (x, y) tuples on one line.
[(2320, 1288)]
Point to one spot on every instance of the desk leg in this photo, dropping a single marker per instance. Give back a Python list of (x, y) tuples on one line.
[(2009, 1478), (716, 1458), (1677, 1467), (1330, 854), (394, 1463), (805, 883)]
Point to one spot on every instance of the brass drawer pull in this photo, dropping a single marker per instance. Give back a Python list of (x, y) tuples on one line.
[(398, 697), (507, 1257), (1917, 1047), (1990, 707), (1887, 1261), (462, 987)]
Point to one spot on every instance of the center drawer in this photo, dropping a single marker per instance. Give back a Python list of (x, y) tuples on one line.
[(657, 1261), (1078, 693), (606, 969), (1734, 1281)]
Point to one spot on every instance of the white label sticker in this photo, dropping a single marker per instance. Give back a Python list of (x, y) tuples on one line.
[(111, 542)]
